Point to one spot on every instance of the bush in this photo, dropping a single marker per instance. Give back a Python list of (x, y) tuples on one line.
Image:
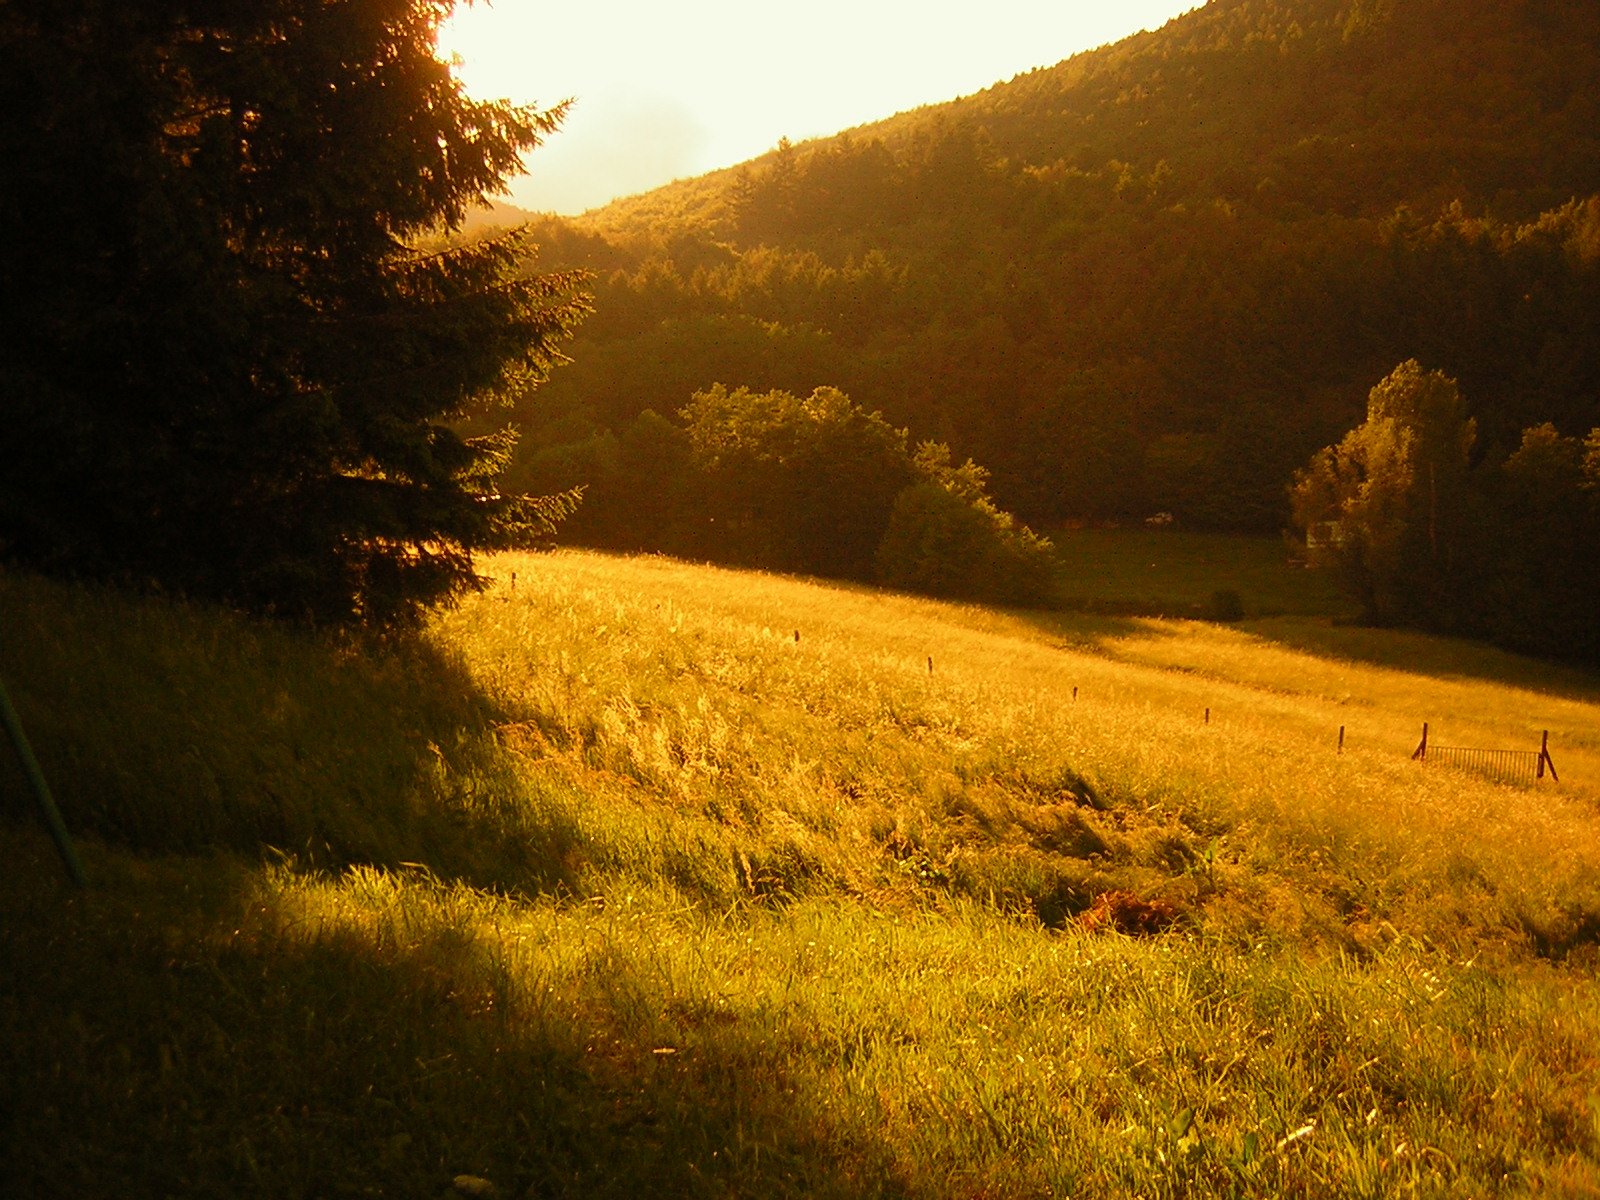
[(797, 484), (1226, 605), (944, 544)]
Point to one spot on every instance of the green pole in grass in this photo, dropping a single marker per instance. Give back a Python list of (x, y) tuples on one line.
[(41, 789)]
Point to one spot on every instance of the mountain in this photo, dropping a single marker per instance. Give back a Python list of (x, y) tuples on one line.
[(495, 214), (1156, 276)]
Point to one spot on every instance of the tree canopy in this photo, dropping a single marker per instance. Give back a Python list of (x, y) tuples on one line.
[(234, 347), (1506, 547), (802, 483), (1391, 493), (1157, 276)]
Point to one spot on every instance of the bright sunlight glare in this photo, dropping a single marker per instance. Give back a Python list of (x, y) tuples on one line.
[(668, 91)]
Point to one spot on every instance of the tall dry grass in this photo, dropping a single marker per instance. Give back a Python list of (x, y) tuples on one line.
[(607, 883)]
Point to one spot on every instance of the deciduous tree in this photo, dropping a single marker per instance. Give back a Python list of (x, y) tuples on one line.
[(802, 484), (1392, 495)]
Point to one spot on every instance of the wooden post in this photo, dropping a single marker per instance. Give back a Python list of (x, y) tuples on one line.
[(797, 635), (1341, 739), (41, 791), (930, 664), (1420, 754), (1208, 716), (1545, 760), (513, 581), (1074, 693)]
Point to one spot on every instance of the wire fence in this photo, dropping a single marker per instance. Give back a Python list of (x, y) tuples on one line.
[(1511, 766)]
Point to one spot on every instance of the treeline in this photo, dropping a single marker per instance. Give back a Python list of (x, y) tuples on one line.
[(1203, 356), (812, 484), (1425, 530), (1155, 278)]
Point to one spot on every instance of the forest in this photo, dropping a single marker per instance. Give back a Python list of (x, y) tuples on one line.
[(1157, 277)]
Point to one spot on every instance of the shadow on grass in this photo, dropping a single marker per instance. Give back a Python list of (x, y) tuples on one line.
[(172, 728), (1094, 631), (1430, 655), (175, 1033)]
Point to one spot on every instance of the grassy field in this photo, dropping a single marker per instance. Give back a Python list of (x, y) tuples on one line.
[(631, 877), (1170, 572)]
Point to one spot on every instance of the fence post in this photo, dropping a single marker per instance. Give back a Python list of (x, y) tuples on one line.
[(1420, 754), (1545, 760), (41, 790), (1341, 739)]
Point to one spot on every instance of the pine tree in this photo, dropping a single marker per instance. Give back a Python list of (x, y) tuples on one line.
[(234, 346)]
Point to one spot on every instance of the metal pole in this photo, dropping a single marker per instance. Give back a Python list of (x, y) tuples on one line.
[(41, 790)]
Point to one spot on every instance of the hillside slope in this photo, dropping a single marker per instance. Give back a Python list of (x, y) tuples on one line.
[(633, 875), (1156, 276), (1352, 106)]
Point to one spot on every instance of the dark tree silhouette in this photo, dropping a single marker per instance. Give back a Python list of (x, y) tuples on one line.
[(234, 347)]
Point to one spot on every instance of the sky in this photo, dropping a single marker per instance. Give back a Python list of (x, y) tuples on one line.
[(669, 90)]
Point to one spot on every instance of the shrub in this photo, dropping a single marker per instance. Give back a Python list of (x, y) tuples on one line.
[(1226, 605), (944, 544), (797, 484)]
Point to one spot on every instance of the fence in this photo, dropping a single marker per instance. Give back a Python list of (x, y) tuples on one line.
[(1510, 765)]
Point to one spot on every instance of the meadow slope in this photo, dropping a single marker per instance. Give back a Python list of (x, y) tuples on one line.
[(635, 877)]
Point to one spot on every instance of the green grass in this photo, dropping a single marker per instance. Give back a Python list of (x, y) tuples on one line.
[(1168, 572), (609, 885)]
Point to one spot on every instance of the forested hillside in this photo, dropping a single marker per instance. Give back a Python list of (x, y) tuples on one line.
[(1158, 276)]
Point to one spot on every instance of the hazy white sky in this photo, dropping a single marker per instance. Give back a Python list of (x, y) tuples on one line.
[(666, 90)]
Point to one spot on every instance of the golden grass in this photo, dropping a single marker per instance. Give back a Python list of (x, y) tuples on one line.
[(689, 684), (610, 885)]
